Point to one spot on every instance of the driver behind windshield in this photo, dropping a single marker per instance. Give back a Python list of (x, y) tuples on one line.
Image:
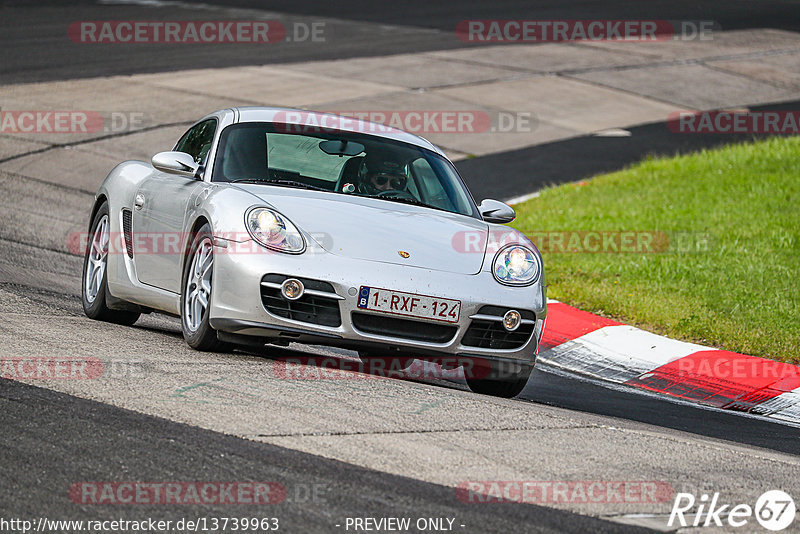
[(381, 172)]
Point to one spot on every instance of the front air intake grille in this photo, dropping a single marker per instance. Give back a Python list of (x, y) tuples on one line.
[(403, 328), (317, 309), (490, 334), (127, 231)]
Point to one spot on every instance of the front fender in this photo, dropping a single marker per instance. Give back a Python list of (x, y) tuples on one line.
[(225, 207), (121, 185)]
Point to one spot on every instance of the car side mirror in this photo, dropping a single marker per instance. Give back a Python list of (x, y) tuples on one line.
[(494, 211), (178, 163)]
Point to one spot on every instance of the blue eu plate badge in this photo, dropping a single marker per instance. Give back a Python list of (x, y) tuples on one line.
[(363, 297)]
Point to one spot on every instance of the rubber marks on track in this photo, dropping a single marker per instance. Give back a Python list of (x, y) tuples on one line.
[(601, 348)]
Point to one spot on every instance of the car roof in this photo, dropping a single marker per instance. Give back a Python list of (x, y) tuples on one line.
[(303, 118)]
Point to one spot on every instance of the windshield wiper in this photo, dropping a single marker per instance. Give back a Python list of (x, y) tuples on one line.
[(287, 183)]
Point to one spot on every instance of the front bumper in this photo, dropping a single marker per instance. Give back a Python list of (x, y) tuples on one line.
[(237, 307)]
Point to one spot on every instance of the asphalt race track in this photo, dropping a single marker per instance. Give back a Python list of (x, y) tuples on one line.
[(372, 447), (153, 446), (31, 33)]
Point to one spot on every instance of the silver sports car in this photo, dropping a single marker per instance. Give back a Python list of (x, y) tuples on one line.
[(267, 225)]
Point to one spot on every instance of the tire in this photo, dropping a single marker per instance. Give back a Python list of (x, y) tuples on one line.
[(196, 288), (94, 281), (500, 379)]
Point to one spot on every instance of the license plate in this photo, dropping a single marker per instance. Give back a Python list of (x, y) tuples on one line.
[(409, 304)]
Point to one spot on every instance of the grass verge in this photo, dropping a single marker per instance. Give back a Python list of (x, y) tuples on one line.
[(723, 263)]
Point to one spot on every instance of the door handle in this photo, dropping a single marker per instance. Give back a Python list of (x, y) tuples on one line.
[(138, 202)]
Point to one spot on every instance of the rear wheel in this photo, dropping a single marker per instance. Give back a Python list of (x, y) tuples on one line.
[(499, 379), (198, 277), (94, 282)]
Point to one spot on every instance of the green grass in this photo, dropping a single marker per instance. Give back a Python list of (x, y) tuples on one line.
[(741, 294)]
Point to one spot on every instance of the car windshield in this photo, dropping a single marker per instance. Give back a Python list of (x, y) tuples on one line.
[(347, 163)]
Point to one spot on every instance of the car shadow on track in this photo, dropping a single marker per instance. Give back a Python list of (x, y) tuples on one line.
[(575, 393)]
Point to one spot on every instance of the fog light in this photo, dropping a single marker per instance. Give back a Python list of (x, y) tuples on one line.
[(511, 320), (292, 289)]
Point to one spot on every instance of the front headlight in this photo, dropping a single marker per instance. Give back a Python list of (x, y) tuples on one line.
[(516, 265), (274, 231)]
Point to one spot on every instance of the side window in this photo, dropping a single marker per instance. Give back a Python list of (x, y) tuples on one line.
[(432, 190), (197, 141)]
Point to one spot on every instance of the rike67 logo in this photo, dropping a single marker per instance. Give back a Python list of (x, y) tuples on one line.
[(774, 510)]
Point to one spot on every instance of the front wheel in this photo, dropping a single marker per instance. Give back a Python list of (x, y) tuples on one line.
[(499, 379), (94, 282), (198, 278)]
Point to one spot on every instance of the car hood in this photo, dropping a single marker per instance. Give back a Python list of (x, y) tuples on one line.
[(382, 231)]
